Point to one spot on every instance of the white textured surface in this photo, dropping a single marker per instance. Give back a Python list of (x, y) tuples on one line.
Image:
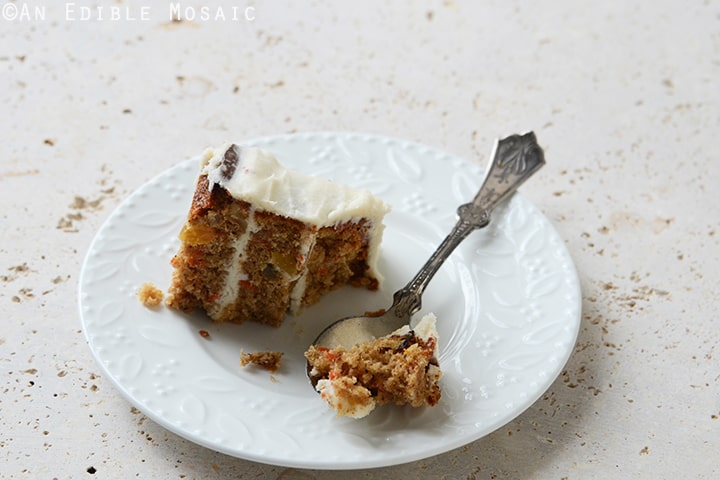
[(509, 304), (622, 95)]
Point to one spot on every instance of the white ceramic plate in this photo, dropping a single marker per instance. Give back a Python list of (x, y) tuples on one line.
[(507, 302)]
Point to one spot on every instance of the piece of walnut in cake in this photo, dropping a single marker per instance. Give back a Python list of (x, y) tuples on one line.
[(261, 240)]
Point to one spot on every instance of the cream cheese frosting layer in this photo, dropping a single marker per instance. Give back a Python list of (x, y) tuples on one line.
[(255, 175)]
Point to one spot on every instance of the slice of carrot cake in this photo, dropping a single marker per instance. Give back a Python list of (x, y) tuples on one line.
[(401, 368), (261, 240)]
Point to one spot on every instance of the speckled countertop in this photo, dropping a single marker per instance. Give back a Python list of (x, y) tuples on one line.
[(623, 96)]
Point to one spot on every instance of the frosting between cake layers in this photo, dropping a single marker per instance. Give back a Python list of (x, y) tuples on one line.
[(254, 175), (298, 291), (234, 274)]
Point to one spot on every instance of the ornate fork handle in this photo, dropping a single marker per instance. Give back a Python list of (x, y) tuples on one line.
[(514, 160)]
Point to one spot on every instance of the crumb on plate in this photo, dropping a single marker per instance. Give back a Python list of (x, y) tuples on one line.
[(267, 360), (150, 295)]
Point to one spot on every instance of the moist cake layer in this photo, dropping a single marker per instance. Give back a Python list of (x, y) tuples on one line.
[(261, 240)]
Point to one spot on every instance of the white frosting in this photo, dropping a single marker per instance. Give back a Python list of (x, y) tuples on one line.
[(260, 179), (356, 408), (235, 274), (425, 329), (298, 291)]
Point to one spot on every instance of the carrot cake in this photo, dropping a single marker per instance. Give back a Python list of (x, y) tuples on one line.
[(267, 360), (261, 240), (401, 368)]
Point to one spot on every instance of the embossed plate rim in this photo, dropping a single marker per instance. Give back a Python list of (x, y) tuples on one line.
[(469, 409)]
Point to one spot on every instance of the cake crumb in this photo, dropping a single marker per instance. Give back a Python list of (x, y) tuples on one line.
[(204, 333), (267, 360), (150, 295)]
